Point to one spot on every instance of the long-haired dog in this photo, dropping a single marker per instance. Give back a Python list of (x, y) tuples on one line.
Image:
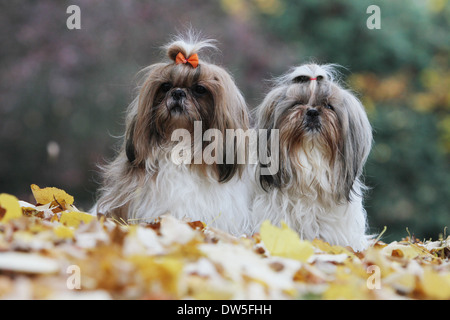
[(189, 95), (324, 140)]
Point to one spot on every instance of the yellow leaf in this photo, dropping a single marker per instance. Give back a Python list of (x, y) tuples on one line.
[(407, 251), (9, 207), (48, 195), (285, 242), (435, 285), (346, 287), (200, 288), (164, 271), (326, 247), (74, 218), (63, 232)]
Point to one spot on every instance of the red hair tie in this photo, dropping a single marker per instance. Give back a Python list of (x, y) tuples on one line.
[(192, 60), (311, 79)]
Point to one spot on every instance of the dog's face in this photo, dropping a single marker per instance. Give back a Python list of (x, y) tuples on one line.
[(173, 96), (323, 129), (302, 120), (180, 96)]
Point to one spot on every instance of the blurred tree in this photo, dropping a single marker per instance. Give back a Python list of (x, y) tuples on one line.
[(408, 172)]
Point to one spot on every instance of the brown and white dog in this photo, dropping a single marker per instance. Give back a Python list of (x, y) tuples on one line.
[(145, 180)]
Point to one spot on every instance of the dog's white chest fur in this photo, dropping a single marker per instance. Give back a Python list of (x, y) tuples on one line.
[(307, 205), (187, 194)]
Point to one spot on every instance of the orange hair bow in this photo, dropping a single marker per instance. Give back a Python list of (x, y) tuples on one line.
[(192, 60)]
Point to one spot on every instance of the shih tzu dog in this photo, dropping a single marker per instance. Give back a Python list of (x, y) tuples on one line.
[(324, 140), (180, 101)]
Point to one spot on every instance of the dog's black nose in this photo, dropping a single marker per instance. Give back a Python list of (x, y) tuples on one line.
[(312, 112), (177, 94)]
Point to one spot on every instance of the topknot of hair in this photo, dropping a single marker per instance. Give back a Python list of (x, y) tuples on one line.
[(188, 45)]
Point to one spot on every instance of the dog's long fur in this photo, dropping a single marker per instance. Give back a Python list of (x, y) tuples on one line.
[(143, 182), (318, 189)]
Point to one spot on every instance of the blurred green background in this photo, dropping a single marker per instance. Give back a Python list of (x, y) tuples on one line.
[(63, 92)]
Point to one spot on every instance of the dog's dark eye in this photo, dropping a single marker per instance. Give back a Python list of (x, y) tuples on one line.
[(165, 87), (199, 89), (329, 106)]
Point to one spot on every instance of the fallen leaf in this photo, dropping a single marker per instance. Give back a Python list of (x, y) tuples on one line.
[(162, 271), (403, 250), (435, 285), (326, 247), (52, 195), (402, 281), (285, 242), (346, 287), (63, 232), (9, 208), (74, 218)]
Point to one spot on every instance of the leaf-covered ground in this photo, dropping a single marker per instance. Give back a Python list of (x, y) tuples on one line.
[(52, 250)]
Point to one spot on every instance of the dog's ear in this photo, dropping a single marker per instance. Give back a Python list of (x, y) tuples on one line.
[(356, 144), (230, 112), (130, 150), (265, 119), (237, 143), (267, 178), (226, 171)]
